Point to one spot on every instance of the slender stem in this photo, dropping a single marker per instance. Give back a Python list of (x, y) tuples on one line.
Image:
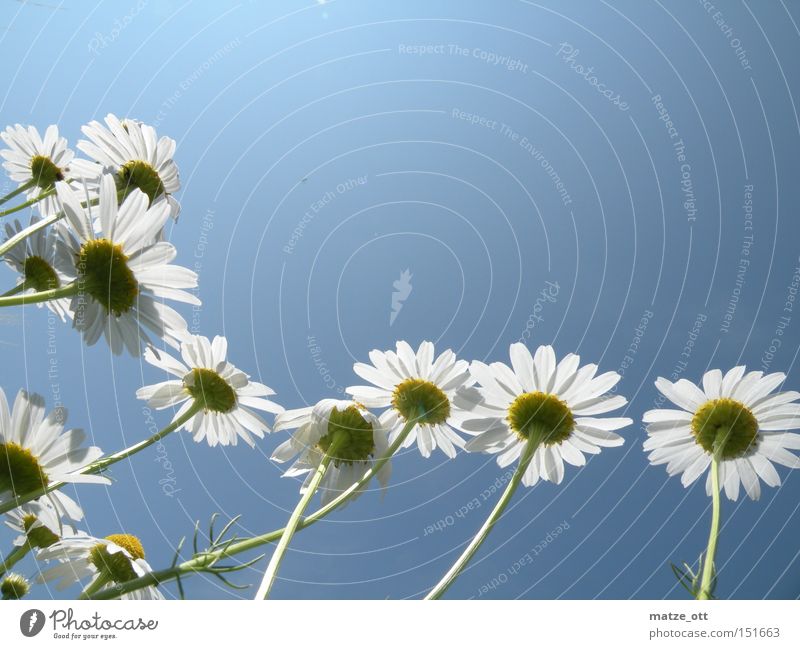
[(25, 233), (42, 296), (22, 188), (101, 581), (707, 581), (291, 526), (99, 465), (28, 203), (198, 563), (13, 557), (534, 438), (14, 291)]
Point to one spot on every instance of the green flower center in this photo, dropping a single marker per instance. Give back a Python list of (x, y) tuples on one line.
[(40, 536), (20, 471), (356, 440), (117, 567), (45, 172), (725, 426), (39, 274), (545, 413), (210, 389), (423, 399), (104, 274), (14, 587), (137, 173)]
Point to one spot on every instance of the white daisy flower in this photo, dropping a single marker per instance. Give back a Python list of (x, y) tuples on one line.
[(536, 395), (35, 451), (225, 394), (38, 162), (123, 271), (38, 265), (136, 156), (115, 559), (38, 523), (737, 416), (359, 437), (416, 387)]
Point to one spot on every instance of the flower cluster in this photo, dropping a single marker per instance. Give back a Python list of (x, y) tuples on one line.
[(97, 255)]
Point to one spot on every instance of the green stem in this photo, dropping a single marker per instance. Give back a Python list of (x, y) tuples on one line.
[(198, 563), (13, 557), (99, 465), (25, 233), (17, 191), (291, 526), (42, 296), (707, 581), (14, 291), (98, 584), (28, 203), (535, 435)]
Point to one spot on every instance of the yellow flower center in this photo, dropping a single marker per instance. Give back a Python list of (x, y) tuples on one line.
[(117, 567), (543, 413), (137, 173), (417, 398), (210, 389), (45, 172), (20, 471), (39, 274), (725, 426), (104, 274), (355, 435)]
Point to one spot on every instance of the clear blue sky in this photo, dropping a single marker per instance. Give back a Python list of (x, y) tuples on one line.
[(471, 144)]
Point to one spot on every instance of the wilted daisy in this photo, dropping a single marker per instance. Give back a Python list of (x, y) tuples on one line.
[(123, 271), (738, 417), (112, 560), (356, 433), (226, 395), (418, 387), (136, 156), (35, 162), (38, 265), (35, 451), (38, 523), (556, 401)]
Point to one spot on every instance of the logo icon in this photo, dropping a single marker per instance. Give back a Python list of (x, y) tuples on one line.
[(402, 289), (31, 622)]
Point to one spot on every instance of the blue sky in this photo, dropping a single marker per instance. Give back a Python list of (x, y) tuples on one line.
[(573, 173)]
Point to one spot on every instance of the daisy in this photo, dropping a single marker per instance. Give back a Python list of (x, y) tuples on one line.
[(225, 396), (14, 586), (135, 155), (361, 437), (736, 417), (113, 560), (416, 387), (38, 523), (35, 451), (556, 401), (37, 163), (123, 272), (39, 268)]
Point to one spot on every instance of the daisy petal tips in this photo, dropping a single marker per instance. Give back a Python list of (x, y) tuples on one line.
[(415, 385), (223, 395), (739, 417), (559, 399)]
